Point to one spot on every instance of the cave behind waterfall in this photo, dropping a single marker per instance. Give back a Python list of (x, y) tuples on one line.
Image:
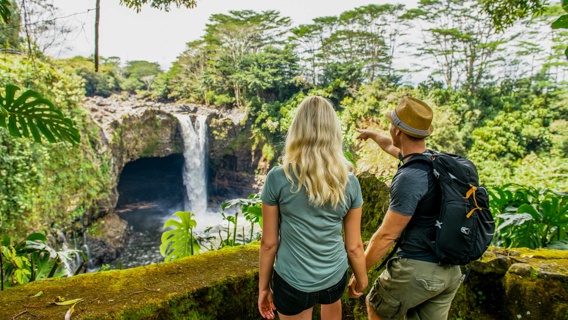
[(152, 180), (150, 191)]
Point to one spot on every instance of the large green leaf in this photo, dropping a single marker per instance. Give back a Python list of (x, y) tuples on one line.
[(31, 114), (251, 207), (561, 23), (179, 242), (558, 245), (5, 12), (513, 219)]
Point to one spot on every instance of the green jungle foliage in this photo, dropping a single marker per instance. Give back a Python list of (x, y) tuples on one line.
[(179, 241), (48, 186), (530, 218), (9, 38), (103, 83), (5, 11), (33, 259)]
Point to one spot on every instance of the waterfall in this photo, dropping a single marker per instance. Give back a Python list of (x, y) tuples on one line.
[(194, 170)]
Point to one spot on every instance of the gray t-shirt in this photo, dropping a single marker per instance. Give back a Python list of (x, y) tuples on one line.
[(311, 254), (408, 187), (413, 192)]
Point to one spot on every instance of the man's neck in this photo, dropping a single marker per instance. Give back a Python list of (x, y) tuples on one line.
[(410, 148)]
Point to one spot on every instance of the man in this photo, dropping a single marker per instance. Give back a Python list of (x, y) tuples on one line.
[(413, 284)]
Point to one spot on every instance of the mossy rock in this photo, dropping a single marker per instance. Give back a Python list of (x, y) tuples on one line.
[(214, 285), (515, 284), (376, 199)]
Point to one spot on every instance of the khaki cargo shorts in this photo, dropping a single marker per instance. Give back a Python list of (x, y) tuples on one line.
[(415, 289)]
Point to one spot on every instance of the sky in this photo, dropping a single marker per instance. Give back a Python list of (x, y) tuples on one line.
[(159, 36)]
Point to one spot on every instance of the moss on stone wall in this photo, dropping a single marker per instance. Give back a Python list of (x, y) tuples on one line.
[(515, 284), (223, 285), (214, 285)]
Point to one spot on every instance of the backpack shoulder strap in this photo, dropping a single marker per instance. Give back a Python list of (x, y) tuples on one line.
[(425, 157)]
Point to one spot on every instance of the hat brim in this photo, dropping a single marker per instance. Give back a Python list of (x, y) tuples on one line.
[(388, 115)]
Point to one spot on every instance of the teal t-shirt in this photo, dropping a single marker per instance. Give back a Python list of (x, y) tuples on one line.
[(311, 254)]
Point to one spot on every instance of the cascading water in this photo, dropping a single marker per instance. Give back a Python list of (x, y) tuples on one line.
[(194, 171), (151, 191)]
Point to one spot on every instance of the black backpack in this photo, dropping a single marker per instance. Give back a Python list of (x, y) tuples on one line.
[(465, 225)]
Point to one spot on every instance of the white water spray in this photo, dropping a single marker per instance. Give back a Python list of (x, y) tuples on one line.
[(194, 170)]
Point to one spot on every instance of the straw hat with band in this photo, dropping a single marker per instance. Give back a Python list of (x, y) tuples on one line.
[(412, 117)]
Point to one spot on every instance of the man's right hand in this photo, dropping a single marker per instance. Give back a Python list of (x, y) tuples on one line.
[(353, 292), (365, 134)]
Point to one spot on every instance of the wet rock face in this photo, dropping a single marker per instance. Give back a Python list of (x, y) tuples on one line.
[(105, 239), (133, 130), (232, 160)]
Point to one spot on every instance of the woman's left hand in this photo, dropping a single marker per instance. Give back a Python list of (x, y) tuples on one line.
[(353, 293), (265, 304)]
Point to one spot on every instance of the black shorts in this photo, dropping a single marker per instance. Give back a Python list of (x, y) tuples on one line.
[(290, 301)]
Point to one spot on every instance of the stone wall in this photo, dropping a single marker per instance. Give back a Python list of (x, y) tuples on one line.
[(214, 285), (503, 285), (506, 284)]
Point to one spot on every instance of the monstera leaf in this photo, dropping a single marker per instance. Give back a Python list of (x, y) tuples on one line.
[(179, 242), (32, 114)]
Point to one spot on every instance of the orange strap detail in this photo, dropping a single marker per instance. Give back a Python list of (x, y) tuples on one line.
[(469, 193)]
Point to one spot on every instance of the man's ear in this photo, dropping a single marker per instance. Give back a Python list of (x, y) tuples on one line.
[(397, 131)]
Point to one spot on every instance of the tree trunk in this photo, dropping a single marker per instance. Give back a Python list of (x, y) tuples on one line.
[(97, 18)]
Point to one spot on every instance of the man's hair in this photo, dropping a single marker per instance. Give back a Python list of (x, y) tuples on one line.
[(314, 153)]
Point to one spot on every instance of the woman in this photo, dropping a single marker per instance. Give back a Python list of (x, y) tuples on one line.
[(305, 204)]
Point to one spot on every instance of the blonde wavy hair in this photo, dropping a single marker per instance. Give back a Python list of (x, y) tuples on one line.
[(314, 153)]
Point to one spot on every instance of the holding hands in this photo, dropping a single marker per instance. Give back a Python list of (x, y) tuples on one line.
[(355, 289)]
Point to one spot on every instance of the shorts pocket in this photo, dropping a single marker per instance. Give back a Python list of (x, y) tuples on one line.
[(385, 305), (432, 285)]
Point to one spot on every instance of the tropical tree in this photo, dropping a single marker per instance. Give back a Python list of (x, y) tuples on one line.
[(459, 41), (232, 38), (505, 13), (308, 41), (103, 83), (187, 75), (139, 74), (9, 31), (159, 4)]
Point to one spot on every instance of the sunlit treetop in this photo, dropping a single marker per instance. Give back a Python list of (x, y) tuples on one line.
[(505, 13), (159, 4)]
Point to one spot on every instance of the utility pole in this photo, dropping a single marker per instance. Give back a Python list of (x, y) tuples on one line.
[(97, 18)]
